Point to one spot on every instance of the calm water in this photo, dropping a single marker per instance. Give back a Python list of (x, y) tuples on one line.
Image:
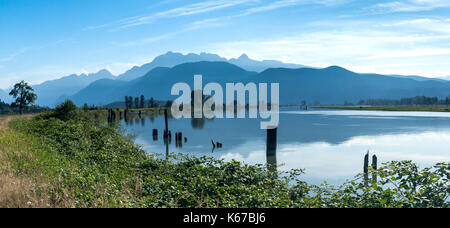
[(330, 145)]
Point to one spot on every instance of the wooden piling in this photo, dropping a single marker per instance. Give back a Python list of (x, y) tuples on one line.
[(166, 131), (213, 144), (366, 163), (374, 167), (166, 120), (374, 162), (113, 115), (155, 134), (271, 149), (366, 169)]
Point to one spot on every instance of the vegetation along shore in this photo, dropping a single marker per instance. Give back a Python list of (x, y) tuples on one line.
[(71, 157)]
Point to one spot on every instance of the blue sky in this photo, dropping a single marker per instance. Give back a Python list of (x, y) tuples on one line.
[(47, 39)]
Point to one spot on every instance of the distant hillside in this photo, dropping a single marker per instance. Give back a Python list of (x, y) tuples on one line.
[(52, 92), (332, 85), (419, 78)]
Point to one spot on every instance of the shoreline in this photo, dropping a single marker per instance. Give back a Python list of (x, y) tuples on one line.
[(409, 108)]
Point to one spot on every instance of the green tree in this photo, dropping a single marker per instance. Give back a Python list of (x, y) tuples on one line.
[(85, 107), (126, 102), (23, 93), (130, 102), (151, 103), (142, 101), (136, 102), (168, 103)]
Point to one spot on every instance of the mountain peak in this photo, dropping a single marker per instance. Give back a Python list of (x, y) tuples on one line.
[(101, 73), (336, 69), (244, 57)]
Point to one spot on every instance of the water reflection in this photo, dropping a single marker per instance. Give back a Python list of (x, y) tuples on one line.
[(198, 123), (330, 145), (337, 162)]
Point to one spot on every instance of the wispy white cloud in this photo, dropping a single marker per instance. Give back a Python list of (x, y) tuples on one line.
[(255, 6), (187, 10), (274, 5), (14, 55), (287, 3), (422, 25), (412, 5), (355, 49), (147, 40), (216, 21), (201, 24), (419, 52)]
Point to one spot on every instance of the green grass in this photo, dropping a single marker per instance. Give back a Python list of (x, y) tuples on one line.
[(422, 108), (85, 162)]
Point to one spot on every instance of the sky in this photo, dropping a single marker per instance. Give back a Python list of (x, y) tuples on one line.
[(48, 39)]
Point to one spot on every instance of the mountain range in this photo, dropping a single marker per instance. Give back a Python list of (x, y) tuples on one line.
[(53, 92), (154, 79), (332, 85), (171, 59)]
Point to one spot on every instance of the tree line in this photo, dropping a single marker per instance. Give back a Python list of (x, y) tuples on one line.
[(418, 100), (140, 102)]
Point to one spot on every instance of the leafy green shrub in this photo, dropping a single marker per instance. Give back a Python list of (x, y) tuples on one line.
[(66, 111)]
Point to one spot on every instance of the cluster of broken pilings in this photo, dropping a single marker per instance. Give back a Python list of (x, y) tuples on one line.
[(111, 115)]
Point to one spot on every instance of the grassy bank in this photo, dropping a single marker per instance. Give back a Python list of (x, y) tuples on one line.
[(420, 108), (83, 162)]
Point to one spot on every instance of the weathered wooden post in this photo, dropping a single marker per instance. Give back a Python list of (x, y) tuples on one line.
[(213, 144), (167, 148), (271, 149), (374, 167), (113, 115), (271, 141), (109, 115), (166, 131), (179, 139), (155, 134), (366, 168)]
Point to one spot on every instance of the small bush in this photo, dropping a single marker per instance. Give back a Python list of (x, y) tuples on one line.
[(65, 111)]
